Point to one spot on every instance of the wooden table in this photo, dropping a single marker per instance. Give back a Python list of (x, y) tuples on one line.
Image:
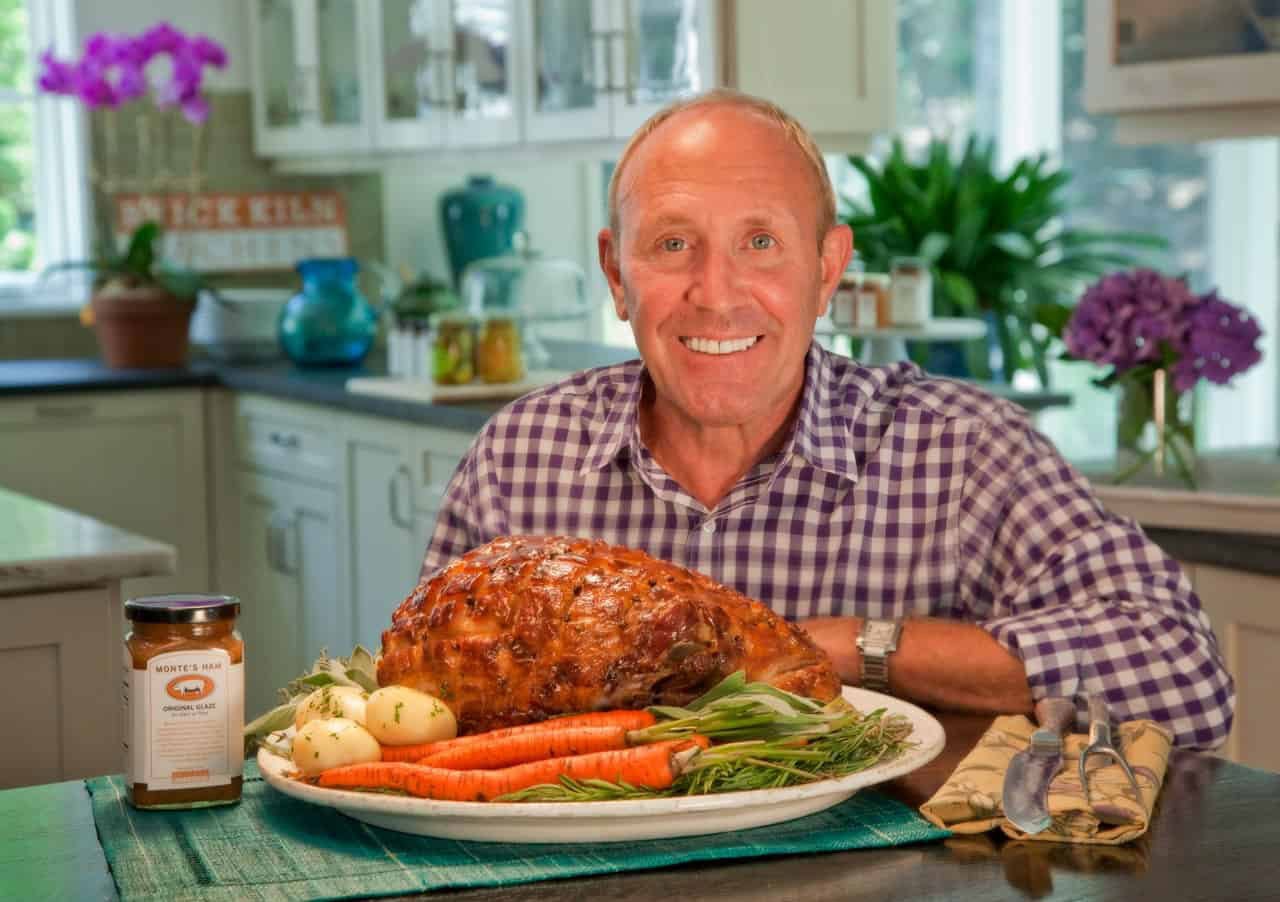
[(1216, 835)]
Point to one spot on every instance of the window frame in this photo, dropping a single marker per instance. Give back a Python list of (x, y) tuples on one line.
[(62, 196)]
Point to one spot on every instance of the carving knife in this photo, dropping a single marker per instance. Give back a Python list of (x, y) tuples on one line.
[(1026, 783)]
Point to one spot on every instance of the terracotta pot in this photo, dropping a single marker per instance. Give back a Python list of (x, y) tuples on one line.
[(145, 328)]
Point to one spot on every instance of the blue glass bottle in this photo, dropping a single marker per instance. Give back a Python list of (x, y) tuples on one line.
[(329, 322)]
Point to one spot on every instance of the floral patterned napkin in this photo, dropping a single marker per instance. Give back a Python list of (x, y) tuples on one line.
[(969, 802)]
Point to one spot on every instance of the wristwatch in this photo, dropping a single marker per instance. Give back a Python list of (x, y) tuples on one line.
[(878, 639)]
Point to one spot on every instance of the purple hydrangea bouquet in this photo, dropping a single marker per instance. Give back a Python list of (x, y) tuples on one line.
[(1161, 339)]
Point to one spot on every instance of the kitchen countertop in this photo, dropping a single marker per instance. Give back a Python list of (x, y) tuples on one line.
[(327, 385), (43, 546)]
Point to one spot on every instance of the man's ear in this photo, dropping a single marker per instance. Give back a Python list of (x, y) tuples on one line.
[(608, 250), (837, 250)]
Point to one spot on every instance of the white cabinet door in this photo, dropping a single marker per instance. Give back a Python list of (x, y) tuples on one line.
[(837, 74), (443, 74), (660, 50), (310, 89), (1244, 609), (565, 76), (289, 583), (61, 655), (132, 459), (384, 550)]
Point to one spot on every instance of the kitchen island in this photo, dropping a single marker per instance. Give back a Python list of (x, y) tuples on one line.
[(1213, 836), (61, 627)]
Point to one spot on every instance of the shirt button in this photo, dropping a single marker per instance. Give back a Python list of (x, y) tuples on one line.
[(709, 527)]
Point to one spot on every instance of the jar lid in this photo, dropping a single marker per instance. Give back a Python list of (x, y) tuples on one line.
[(182, 608)]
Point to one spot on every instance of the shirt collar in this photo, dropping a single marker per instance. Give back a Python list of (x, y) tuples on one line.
[(822, 435), (823, 429), (619, 420)]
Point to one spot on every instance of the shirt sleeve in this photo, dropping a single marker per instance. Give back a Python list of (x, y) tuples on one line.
[(472, 511), (1081, 596)]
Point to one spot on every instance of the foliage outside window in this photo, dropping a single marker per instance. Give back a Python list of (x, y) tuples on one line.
[(17, 196)]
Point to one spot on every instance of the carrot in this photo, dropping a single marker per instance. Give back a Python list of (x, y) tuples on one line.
[(631, 720), (532, 745), (654, 766)]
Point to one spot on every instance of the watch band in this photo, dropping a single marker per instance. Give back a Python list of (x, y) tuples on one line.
[(877, 640)]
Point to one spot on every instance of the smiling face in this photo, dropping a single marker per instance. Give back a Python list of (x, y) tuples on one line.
[(718, 266)]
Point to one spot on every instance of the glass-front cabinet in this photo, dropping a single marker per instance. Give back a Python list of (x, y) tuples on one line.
[(598, 68), (309, 89), (445, 73)]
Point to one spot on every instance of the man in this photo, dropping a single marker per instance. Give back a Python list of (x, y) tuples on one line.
[(921, 515)]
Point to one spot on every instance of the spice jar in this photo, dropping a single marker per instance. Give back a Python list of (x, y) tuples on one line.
[(453, 358), (498, 357), (871, 304), (183, 697), (912, 292)]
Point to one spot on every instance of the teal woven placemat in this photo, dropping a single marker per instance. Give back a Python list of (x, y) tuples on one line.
[(287, 849)]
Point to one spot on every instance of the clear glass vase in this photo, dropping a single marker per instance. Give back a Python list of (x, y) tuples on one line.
[(1152, 442)]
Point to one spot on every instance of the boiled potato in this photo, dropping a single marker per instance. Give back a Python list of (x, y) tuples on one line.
[(332, 701), (333, 742), (398, 715)]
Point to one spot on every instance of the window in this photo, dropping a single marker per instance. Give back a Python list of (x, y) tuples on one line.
[(1013, 69), (43, 190)]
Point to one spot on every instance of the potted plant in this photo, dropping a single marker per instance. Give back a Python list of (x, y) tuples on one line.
[(141, 306), (996, 244)]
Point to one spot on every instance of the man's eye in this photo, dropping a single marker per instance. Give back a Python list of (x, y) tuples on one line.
[(762, 242), (673, 244)]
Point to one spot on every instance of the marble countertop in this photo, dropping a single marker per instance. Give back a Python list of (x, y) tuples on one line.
[(43, 546)]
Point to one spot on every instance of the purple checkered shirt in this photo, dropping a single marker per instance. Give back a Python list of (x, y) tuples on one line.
[(896, 495)]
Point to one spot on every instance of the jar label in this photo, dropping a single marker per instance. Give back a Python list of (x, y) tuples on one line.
[(184, 716)]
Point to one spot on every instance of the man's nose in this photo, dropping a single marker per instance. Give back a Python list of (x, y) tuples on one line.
[(714, 280)]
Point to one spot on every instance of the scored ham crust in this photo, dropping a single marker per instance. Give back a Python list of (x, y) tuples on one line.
[(530, 627)]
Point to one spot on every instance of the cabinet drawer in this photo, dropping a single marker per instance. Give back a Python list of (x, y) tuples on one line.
[(287, 439)]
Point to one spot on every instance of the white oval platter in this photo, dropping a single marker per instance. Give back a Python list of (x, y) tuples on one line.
[(618, 821)]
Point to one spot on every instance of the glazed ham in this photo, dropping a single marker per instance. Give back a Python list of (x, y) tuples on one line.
[(526, 628)]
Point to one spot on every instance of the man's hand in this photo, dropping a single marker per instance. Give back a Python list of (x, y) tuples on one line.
[(941, 663)]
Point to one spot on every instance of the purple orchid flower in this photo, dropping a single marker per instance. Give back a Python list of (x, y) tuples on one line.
[(112, 70)]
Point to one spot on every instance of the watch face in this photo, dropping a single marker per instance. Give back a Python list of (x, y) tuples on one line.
[(880, 632)]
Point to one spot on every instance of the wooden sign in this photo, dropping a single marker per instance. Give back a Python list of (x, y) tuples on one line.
[(239, 231)]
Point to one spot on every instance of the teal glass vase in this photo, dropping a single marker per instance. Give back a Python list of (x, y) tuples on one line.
[(329, 322), (479, 220)]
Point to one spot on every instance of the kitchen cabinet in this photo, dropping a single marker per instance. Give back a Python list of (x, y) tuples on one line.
[(412, 75), (596, 69), (396, 478), (442, 74), (830, 63), (310, 91), (1183, 69), (384, 532), (1244, 609), (289, 582), (60, 666), (135, 460)]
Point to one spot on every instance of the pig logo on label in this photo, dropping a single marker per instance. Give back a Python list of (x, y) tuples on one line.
[(190, 688)]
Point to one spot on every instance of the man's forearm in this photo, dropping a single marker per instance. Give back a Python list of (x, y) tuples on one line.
[(941, 663)]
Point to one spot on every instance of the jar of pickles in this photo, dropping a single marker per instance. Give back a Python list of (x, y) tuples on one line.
[(498, 357), (453, 357)]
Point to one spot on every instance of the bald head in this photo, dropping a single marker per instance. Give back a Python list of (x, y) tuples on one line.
[(688, 114)]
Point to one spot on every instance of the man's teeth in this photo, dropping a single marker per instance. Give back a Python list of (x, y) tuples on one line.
[(711, 346)]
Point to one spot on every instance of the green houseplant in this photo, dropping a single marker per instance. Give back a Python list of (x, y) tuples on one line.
[(996, 243)]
